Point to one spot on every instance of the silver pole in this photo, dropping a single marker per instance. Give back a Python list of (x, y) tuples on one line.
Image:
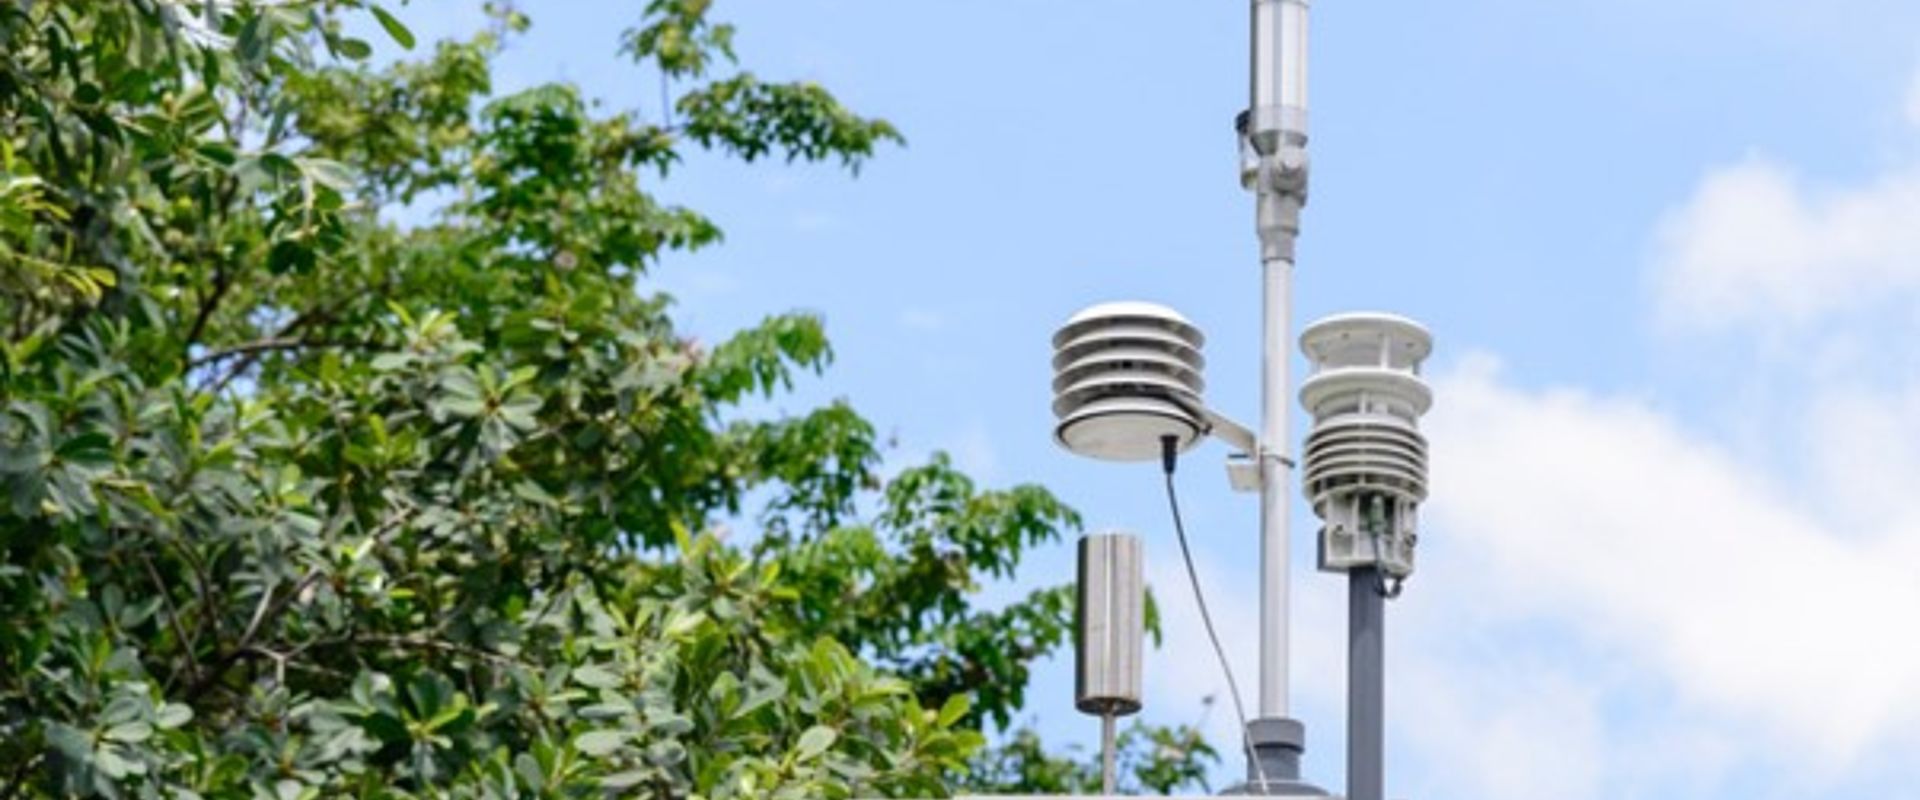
[(1276, 489), (1109, 629), (1274, 166), (1106, 754), (1275, 134)]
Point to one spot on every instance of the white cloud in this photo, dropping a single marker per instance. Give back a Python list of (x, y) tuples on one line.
[(1756, 246), (1604, 520), (1863, 450), (1494, 731), (1612, 604), (1613, 601)]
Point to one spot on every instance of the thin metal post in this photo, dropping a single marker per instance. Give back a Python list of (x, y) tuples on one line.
[(1274, 166), (1106, 754), (1276, 488), (1366, 685), (1275, 137)]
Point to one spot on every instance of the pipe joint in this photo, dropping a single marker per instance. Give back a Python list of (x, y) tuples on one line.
[(1283, 172), (1277, 221), (1273, 766)]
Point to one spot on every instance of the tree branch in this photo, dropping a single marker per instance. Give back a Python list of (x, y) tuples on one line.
[(173, 616), (270, 607), (282, 340), (251, 351), (221, 282), (435, 645)]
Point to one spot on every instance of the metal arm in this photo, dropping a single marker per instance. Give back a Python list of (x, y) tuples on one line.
[(1236, 435)]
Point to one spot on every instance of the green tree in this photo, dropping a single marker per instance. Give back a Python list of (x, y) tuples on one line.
[(300, 501)]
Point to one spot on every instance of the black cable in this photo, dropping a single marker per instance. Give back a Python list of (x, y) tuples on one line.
[(1169, 457)]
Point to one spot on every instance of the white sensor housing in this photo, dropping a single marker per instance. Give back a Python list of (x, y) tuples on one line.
[(1125, 376), (1364, 464)]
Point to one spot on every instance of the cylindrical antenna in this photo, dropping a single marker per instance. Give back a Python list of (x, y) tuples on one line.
[(1110, 624), (1278, 106)]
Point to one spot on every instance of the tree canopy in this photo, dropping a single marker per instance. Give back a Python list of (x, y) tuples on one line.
[(341, 454)]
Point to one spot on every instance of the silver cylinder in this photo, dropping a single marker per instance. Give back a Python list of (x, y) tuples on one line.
[(1276, 488), (1278, 106), (1110, 624)]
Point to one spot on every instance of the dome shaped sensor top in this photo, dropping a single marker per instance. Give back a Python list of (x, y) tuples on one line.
[(1129, 311), (1126, 375), (1367, 339)]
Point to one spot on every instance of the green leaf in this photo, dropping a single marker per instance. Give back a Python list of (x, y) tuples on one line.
[(289, 256), (69, 741), (595, 677), (355, 49), (683, 624), (253, 40), (606, 710), (87, 448), (115, 765), (626, 780), (277, 165), (952, 710), (399, 32), (173, 715), (220, 153), (600, 743), (326, 172), (392, 362), (386, 727), (759, 697), (814, 742), (130, 732)]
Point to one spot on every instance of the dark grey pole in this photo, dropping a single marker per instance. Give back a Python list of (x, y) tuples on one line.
[(1366, 685)]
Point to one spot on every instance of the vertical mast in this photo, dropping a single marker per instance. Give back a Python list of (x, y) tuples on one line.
[(1275, 168)]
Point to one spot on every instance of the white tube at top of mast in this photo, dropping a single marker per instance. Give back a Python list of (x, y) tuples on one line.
[(1279, 100)]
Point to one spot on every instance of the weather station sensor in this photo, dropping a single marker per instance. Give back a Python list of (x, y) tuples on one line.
[(1129, 386), (1126, 375), (1365, 462)]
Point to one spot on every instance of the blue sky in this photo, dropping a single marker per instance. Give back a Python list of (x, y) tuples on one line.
[(1671, 252)]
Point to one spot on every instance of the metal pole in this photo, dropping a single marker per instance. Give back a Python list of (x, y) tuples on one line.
[(1274, 166), (1366, 685), (1275, 139), (1276, 489), (1106, 754)]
